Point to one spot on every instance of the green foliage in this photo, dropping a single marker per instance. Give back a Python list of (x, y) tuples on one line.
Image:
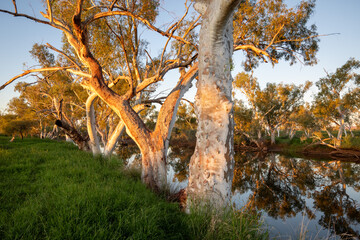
[(51, 190), (21, 127), (274, 28), (351, 142)]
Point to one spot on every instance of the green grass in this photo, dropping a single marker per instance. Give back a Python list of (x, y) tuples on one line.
[(51, 190)]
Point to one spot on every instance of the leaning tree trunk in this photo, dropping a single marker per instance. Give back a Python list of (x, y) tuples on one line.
[(94, 143), (117, 133), (212, 165), (79, 140)]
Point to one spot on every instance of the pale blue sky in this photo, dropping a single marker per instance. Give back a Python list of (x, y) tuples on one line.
[(331, 16)]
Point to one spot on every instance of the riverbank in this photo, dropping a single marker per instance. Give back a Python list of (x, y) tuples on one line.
[(51, 190), (347, 152)]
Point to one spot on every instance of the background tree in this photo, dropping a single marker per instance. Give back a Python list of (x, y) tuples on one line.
[(306, 120), (338, 98), (272, 105), (270, 31)]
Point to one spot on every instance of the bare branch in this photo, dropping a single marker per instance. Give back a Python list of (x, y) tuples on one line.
[(273, 39), (122, 42), (49, 11), (14, 2), (188, 101), (34, 70), (143, 20), (163, 52), (112, 5), (16, 14), (64, 54), (79, 73), (258, 51)]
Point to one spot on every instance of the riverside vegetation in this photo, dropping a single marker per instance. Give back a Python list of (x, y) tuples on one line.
[(51, 190)]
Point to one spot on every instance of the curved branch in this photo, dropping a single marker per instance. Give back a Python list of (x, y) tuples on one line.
[(143, 20), (34, 70), (168, 110), (64, 54), (258, 51)]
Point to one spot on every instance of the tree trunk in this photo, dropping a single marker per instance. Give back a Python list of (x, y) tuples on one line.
[(292, 133), (78, 139), (272, 136), (91, 125), (148, 142), (340, 132), (154, 172), (211, 166), (113, 139), (117, 133)]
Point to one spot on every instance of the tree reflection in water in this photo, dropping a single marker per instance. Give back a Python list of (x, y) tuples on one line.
[(327, 192), (281, 185)]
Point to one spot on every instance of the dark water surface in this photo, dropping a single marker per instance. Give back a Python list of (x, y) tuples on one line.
[(294, 195)]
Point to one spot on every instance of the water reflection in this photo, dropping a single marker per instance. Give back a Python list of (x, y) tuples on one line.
[(322, 195)]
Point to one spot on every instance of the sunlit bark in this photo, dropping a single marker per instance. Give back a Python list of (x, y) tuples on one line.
[(211, 166), (153, 144), (91, 125)]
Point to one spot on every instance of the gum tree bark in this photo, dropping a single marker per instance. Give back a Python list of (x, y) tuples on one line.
[(94, 143), (211, 166), (153, 144), (117, 133)]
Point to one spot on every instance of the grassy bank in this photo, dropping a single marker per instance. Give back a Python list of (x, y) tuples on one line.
[(51, 190)]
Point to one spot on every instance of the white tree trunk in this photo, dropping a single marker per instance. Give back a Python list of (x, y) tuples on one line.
[(113, 139), (340, 132), (91, 124), (153, 172), (272, 136), (211, 166)]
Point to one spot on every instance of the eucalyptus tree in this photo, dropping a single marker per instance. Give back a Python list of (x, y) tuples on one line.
[(269, 31), (20, 119), (338, 97), (75, 21), (55, 98), (246, 124), (76, 25), (306, 120), (273, 105), (276, 103)]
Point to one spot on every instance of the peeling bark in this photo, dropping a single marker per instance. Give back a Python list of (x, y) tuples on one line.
[(153, 172), (211, 166)]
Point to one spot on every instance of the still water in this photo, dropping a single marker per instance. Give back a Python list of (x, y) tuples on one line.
[(294, 195)]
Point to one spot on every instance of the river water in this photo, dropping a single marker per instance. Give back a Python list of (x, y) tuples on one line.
[(294, 195)]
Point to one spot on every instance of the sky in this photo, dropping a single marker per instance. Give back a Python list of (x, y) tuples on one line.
[(331, 16)]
